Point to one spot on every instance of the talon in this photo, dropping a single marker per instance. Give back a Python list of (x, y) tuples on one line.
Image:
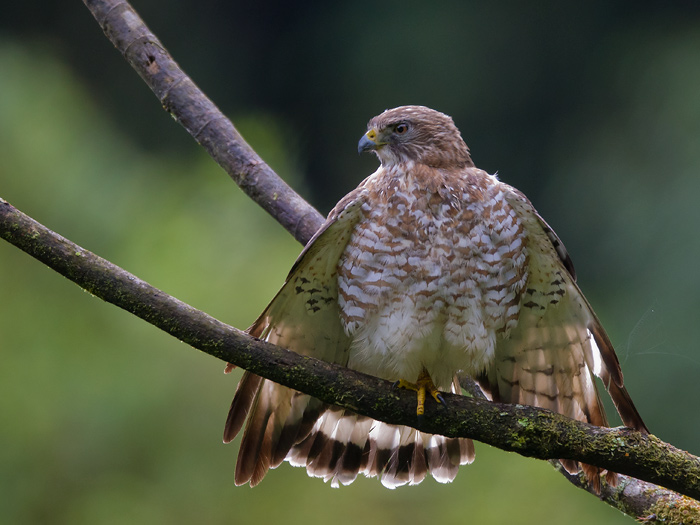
[(422, 386), (402, 383)]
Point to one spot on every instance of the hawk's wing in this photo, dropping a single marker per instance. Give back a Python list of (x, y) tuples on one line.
[(549, 358), (302, 317)]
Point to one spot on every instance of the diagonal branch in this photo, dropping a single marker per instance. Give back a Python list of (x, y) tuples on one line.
[(645, 501), (642, 500), (189, 106), (529, 431)]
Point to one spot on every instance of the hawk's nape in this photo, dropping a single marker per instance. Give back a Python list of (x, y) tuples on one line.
[(431, 266)]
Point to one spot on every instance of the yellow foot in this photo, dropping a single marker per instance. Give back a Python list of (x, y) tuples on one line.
[(423, 385)]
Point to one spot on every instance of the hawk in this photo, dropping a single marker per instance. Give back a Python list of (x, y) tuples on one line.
[(431, 268)]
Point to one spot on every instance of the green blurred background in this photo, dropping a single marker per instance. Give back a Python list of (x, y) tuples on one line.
[(593, 110)]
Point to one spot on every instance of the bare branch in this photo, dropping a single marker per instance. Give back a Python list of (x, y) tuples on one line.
[(186, 103), (529, 431)]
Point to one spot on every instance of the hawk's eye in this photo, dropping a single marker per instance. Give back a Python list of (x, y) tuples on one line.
[(400, 129)]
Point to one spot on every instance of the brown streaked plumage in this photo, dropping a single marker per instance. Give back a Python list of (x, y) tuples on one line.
[(429, 265)]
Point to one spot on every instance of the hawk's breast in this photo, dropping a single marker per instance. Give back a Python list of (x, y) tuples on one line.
[(431, 278)]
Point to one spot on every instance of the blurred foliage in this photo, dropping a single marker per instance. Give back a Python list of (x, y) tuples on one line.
[(593, 110)]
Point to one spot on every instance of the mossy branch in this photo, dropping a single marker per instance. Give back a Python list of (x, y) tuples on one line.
[(529, 431)]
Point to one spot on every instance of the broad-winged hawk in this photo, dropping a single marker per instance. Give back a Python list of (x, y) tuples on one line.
[(431, 268)]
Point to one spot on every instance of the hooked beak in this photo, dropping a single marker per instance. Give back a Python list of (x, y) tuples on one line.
[(369, 142)]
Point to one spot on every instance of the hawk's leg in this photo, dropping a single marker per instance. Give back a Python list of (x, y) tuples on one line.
[(424, 384)]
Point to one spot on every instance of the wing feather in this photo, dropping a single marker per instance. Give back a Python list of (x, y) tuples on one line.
[(560, 317), (302, 317), (550, 357)]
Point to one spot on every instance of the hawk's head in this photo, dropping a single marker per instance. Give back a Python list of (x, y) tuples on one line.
[(418, 134)]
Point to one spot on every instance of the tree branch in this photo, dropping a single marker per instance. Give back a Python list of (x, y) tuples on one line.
[(529, 431), (189, 106), (647, 502), (644, 501)]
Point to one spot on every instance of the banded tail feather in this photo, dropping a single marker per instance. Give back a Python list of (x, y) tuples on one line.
[(332, 443)]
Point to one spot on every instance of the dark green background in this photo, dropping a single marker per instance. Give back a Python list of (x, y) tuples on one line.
[(592, 109)]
